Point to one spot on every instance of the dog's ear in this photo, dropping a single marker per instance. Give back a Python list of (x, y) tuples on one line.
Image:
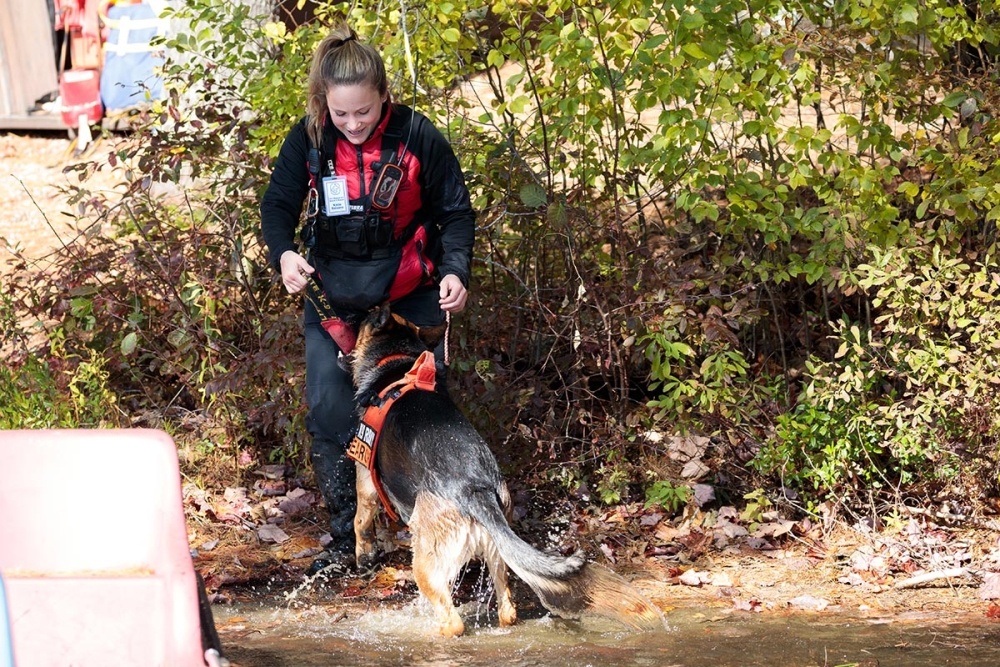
[(379, 316), (431, 336), (403, 322)]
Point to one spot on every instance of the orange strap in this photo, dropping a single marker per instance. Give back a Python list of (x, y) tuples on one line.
[(364, 444)]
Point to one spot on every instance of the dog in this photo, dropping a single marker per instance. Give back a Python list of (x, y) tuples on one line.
[(441, 478)]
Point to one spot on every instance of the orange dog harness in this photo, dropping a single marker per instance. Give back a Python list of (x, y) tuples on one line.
[(365, 442)]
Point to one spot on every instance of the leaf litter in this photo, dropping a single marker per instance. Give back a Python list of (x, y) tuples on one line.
[(743, 561)]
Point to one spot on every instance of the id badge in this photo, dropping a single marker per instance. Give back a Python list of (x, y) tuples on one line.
[(335, 200)]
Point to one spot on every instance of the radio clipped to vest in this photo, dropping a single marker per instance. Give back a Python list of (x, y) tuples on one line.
[(385, 187)]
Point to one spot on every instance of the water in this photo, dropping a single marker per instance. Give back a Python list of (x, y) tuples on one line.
[(373, 634)]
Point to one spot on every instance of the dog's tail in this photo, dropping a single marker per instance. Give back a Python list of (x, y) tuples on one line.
[(567, 587)]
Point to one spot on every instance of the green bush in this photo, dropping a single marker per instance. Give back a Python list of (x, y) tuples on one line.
[(60, 391), (693, 216), (911, 399)]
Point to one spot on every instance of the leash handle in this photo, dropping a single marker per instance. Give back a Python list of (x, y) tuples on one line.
[(317, 296), (342, 333)]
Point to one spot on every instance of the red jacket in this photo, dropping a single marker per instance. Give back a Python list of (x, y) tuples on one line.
[(433, 190)]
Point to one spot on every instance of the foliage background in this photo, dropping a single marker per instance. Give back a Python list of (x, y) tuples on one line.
[(769, 223)]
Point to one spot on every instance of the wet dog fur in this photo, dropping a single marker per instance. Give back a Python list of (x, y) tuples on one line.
[(444, 482)]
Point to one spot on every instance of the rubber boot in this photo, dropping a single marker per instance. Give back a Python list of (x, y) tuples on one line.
[(335, 477)]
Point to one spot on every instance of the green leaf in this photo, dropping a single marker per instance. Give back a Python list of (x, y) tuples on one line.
[(129, 343), (639, 24), (693, 20), (533, 195), (953, 100), (451, 35), (908, 14), (694, 51), (177, 337)]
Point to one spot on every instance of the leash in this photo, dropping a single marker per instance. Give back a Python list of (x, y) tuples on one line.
[(447, 332)]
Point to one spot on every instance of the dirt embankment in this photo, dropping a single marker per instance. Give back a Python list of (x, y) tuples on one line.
[(36, 217)]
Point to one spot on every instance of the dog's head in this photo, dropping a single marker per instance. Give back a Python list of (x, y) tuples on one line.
[(383, 334)]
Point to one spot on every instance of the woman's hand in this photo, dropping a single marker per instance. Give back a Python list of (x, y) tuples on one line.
[(453, 294), (295, 271)]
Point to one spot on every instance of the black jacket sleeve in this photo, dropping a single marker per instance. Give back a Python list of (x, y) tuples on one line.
[(281, 205), (446, 201)]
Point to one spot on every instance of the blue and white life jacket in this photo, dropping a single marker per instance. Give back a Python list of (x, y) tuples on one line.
[(130, 77)]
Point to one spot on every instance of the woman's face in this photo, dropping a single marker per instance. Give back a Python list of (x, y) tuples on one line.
[(355, 110)]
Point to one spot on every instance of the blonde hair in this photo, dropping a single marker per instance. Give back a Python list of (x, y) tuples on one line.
[(340, 60)]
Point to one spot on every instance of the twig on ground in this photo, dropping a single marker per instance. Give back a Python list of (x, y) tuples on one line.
[(956, 518), (926, 577)]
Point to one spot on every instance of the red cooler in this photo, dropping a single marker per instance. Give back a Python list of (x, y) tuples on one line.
[(81, 96)]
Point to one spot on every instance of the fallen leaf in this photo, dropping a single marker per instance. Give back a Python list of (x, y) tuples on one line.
[(731, 530), (685, 448), (693, 578), (990, 588), (703, 494), (651, 519), (694, 469), (271, 533), (774, 528), (753, 604), (721, 579), (809, 603), (296, 505), (728, 513), (666, 532)]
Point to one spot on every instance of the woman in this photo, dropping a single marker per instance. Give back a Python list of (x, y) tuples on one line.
[(411, 243)]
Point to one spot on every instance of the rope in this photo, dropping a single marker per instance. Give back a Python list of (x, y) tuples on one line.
[(447, 331)]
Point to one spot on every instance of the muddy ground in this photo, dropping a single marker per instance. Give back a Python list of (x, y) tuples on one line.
[(719, 558)]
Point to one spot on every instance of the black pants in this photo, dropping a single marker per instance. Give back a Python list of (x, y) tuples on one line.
[(332, 418)]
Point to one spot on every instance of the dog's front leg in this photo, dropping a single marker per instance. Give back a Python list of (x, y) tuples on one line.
[(364, 519)]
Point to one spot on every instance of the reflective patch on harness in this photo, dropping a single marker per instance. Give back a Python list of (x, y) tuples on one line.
[(362, 447)]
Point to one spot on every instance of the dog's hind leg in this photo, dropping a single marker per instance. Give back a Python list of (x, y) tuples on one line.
[(440, 549), (364, 519), (506, 611)]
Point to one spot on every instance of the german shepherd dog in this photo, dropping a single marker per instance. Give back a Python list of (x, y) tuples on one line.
[(444, 482)]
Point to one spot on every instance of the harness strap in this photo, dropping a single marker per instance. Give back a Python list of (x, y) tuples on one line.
[(364, 444)]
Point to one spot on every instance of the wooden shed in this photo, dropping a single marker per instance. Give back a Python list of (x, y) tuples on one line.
[(28, 71)]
